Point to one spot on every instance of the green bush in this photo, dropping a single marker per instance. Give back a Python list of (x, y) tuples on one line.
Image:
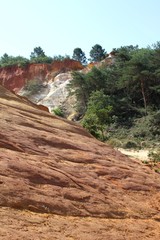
[(114, 142), (7, 60), (33, 86), (154, 156), (130, 144), (58, 111), (155, 125)]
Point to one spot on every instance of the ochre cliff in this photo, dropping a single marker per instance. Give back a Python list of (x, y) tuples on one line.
[(84, 188), (14, 77)]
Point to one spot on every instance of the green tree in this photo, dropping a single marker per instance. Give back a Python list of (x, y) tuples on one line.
[(82, 85), (60, 57), (58, 111), (99, 114), (131, 87), (38, 56), (33, 87), (123, 54), (78, 87), (96, 79), (137, 76), (37, 52), (7, 60), (79, 55), (97, 53)]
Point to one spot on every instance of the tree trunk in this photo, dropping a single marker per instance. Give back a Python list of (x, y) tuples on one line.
[(144, 97)]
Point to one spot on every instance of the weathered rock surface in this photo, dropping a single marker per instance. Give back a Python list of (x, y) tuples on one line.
[(52, 77), (25, 225), (52, 166), (14, 77), (54, 94), (58, 92)]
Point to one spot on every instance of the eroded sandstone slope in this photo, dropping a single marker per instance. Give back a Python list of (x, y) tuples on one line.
[(52, 166)]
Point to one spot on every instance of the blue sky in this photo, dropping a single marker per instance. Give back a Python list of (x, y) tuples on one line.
[(59, 26)]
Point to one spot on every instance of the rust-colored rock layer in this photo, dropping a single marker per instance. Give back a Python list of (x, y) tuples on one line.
[(14, 77), (52, 166)]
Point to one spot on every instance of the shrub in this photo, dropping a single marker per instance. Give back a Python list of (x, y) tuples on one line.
[(58, 111), (130, 144), (7, 60), (33, 86), (154, 156), (114, 142)]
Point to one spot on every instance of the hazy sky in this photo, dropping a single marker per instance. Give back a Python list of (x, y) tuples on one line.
[(59, 26)]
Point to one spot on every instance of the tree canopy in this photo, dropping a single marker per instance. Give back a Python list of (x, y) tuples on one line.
[(130, 89), (97, 53), (38, 56), (98, 114), (7, 60), (37, 52), (79, 55)]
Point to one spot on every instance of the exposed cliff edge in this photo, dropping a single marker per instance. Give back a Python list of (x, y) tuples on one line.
[(53, 78), (14, 78)]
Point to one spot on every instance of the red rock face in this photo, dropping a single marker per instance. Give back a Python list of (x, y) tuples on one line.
[(14, 77), (53, 166)]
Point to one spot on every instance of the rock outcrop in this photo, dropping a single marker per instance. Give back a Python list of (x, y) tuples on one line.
[(52, 77), (52, 166), (53, 94), (14, 78)]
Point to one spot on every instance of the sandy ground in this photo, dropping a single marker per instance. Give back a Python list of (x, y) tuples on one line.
[(136, 154), (25, 225)]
